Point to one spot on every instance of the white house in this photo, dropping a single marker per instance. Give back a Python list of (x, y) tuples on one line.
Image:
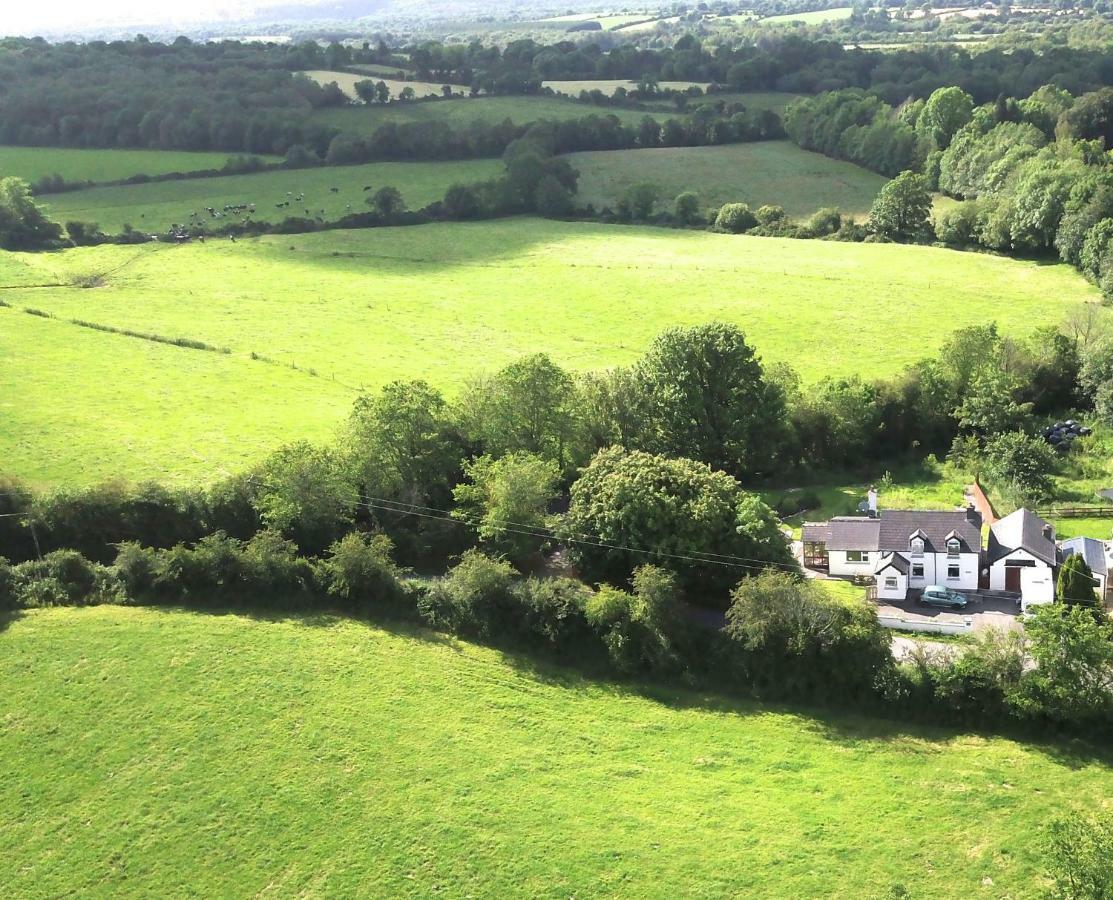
[(1097, 556), (902, 549), (1022, 557)]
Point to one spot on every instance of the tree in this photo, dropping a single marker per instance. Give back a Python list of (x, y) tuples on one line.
[(360, 572), (505, 497), (407, 94), (462, 202), (388, 202), (988, 407), (531, 406), (1075, 584), (902, 211), (1073, 678), (944, 113), (1021, 464), (734, 218), (366, 90), (382, 92), (305, 494), (1096, 378), (798, 640), (707, 399), (629, 508), (552, 199), (638, 201), (23, 225), (399, 444), (1080, 856), (686, 208)]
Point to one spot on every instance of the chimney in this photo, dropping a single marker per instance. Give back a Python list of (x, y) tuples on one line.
[(871, 501), (1049, 531), (972, 515)]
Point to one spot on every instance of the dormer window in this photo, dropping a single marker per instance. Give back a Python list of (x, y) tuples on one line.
[(954, 546), (916, 545)]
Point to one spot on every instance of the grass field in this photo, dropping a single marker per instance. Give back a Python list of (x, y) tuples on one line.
[(346, 81), (440, 302), (179, 754), (768, 172), (154, 207), (33, 163), (609, 86), (462, 112), (753, 100), (817, 17)]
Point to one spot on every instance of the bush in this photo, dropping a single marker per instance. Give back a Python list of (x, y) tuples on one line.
[(7, 586), (824, 222), (553, 612), (637, 628), (735, 218), (65, 578), (770, 215), (360, 572), (686, 209), (474, 598)]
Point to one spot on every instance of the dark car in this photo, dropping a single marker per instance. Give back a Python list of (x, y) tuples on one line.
[(937, 595)]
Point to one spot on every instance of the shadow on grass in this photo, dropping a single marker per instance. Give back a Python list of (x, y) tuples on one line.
[(7, 617)]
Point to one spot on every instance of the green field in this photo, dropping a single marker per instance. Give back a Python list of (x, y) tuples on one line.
[(346, 81), (154, 207), (177, 754), (441, 302), (776, 172), (33, 163), (817, 17), (609, 86), (463, 112)]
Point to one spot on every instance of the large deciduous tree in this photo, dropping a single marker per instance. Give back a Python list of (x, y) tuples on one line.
[(23, 226), (902, 211)]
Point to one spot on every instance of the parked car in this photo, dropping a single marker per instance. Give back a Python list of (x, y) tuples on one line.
[(937, 595)]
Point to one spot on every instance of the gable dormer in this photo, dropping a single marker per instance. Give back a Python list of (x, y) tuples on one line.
[(916, 542), (953, 543)]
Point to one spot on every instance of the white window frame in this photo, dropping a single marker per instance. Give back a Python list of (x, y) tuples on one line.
[(916, 546), (954, 548), (863, 557), (957, 569), (890, 584), (916, 566)]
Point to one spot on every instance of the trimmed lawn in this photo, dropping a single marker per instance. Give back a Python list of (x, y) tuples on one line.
[(441, 302), (774, 172), (179, 754)]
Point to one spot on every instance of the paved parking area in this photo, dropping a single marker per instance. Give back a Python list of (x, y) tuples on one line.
[(985, 612)]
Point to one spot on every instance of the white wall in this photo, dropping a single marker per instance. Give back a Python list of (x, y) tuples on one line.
[(837, 564), (933, 626), (1037, 585), (997, 570), (899, 592), (935, 571)]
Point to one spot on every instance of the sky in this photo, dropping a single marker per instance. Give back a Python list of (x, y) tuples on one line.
[(28, 18)]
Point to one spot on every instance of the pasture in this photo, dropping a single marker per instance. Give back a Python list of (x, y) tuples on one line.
[(172, 753), (154, 207), (816, 17), (441, 302), (609, 86), (346, 81), (33, 163), (776, 172), (462, 112)]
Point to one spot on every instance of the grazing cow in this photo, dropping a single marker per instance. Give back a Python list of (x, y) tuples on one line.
[(335, 190), (367, 187)]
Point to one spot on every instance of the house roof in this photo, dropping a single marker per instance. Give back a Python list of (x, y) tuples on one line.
[(892, 561), (1022, 530), (893, 528), (1091, 550)]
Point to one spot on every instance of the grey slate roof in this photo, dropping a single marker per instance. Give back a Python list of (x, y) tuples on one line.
[(892, 529), (1022, 530), (1091, 550), (893, 560)]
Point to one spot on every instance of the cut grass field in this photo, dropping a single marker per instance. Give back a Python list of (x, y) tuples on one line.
[(462, 112), (775, 172), (154, 207), (33, 163), (816, 17), (178, 754), (609, 86), (346, 81), (441, 302)]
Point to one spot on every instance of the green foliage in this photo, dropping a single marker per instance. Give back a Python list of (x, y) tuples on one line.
[(474, 598), (506, 500), (958, 225), (639, 628), (988, 407), (1075, 583), (824, 222), (796, 640), (1021, 465), (654, 509), (7, 586), (388, 202), (360, 572), (902, 211), (707, 398), (62, 578), (553, 199), (686, 208), (1080, 856), (552, 613), (944, 113), (23, 225), (638, 202), (735, 218)]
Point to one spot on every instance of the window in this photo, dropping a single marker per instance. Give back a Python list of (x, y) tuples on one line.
[(857, 556), (952, 573), (917, 570), (890, 584), (918, 546), (953, 547)]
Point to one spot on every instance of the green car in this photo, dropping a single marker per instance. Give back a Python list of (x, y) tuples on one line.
[(937, 595)]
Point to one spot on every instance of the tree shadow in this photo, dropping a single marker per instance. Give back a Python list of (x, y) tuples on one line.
[(7, 617)]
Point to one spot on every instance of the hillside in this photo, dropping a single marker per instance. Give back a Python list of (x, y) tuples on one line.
[(441, 302), (775, 172), (182, 754), (33, 163)]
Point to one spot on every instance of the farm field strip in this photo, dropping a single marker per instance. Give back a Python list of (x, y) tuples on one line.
[(346, 81), (33, 163), (173, 753), (154, 207), (442, 302), (609, 86)]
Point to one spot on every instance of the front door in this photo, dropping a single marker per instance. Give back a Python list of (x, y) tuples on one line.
[(1012, 579)]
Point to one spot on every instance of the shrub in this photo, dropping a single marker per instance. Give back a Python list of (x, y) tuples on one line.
[(637, 628), (7, 586), (686, 209), (65, 578), (553, 611), (771, 215), (474, 598), (824, 222), (360, 572), (734, 218), (1080, 856)]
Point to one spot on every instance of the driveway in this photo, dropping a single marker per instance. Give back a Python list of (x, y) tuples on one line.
[(984, 612)]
